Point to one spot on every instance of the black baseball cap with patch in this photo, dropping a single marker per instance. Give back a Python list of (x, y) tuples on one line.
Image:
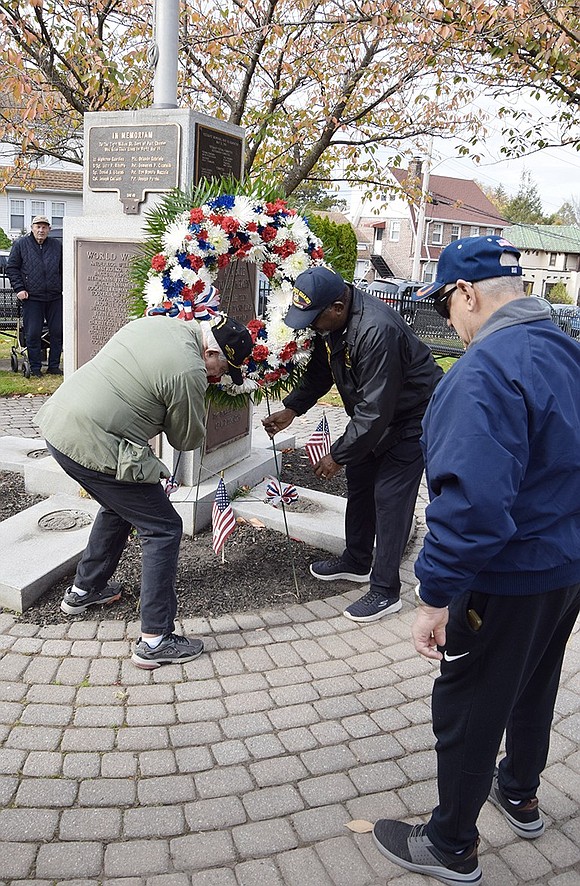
[(235, 342), (314, 290)]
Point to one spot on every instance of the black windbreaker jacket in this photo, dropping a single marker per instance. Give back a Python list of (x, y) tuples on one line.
[(383, 372), (36, 268)]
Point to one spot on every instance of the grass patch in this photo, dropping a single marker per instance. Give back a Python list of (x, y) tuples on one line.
[(14, 383)]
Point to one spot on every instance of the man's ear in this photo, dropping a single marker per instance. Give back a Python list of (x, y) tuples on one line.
[(466, 291)]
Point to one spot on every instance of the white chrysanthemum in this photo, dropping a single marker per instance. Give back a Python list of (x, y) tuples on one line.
[(218, 239), (273, 360), (174, 235), (277, 301), (243, 210), (206, 276), (189, 276), (295, 264), (176, 273), (298, 229), (153, 291)]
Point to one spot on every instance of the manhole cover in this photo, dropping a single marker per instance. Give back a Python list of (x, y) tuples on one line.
[(37, 453), (60, 521)]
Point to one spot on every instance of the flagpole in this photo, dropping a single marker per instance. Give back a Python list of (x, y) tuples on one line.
[(288, 539)]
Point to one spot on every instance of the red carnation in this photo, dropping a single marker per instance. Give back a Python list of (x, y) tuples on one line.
[(223, 260), (268, 233), (251, 226), (254, 327), (229, 225), (288, 351), (260, 353), (195, 262), (288, 247), (272, 376), (158, 262), (276, 206), (317, 253), (197, 287), (269, 269), (196, 216)]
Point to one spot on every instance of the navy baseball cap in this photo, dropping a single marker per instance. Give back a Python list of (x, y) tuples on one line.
[(314, 290), (473, 259), (236, 344)]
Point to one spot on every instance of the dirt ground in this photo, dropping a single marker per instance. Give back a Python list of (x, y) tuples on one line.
[(257, 571)]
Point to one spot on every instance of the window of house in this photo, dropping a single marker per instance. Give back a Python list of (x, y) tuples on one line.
[(378, 235), (37, 207), (552, 260), (17, 215), (474, 231), (57, 215), (395, 231), (429, 271), (489, 232), (437, 233), (455, 232)]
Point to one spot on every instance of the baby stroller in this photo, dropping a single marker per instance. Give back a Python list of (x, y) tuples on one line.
[(11, 326)]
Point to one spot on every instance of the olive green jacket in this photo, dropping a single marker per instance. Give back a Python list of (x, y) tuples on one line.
[(149, 378)]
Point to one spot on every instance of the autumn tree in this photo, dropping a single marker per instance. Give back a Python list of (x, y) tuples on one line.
[(311, 82)]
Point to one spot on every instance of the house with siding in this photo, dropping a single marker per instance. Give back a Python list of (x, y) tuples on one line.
[(454, 208), (53, 192), (550, 255)]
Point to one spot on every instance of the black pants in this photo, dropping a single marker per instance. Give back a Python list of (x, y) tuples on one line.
[(34, 315), (503, 677), (159, 527), (382, 492)]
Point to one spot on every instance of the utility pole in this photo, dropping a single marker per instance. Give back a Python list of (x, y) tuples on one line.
[(166, 45), (420, 229)]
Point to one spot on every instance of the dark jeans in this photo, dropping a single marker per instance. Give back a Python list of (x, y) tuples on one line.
[(507, 682), (382, 491), (159, 527), (34, 315)]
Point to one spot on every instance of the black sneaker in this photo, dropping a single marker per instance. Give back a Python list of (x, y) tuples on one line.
[(410, 847), (173, 649), (372, 606), (36, 373), (524, 818), (332, 570), (72, 603), (56, 371)]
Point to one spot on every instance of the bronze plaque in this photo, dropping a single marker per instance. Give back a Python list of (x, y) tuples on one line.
[(103, 288), (237, 286), (217, 153), (132, 160)]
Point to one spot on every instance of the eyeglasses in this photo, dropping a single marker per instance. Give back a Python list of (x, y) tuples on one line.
[(441, 303)]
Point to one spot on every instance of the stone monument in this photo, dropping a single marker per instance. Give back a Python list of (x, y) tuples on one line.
[(132, 158)]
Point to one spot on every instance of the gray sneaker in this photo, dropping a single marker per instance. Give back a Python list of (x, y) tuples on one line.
[(524, 818), (410, 847), (173, 649), (72, 603)]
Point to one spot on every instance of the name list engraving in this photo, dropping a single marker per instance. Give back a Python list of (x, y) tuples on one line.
[(133, 160), (103, 288), (217, 153)]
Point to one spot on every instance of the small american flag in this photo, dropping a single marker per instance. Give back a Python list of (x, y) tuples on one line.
[(319, 443), (222, 517)]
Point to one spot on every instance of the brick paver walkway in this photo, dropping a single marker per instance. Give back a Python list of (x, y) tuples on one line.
[(243, 767)]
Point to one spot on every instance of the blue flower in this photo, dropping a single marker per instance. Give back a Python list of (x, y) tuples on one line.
[(224, 201)]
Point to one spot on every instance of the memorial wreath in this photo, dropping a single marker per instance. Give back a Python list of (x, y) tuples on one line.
[(191, 236)]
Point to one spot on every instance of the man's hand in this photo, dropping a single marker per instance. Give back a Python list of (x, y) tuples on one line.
[(326, 467), (278, 421), (428, 630), (22, 295)]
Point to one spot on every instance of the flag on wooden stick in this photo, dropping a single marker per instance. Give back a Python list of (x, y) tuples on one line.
[(319, 443), (222, 517)]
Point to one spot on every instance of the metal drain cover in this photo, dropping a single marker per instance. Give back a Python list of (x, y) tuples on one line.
[(37, 453), (60, 521)]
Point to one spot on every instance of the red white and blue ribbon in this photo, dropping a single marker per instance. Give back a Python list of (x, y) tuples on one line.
[(276, 493), (203, 307)]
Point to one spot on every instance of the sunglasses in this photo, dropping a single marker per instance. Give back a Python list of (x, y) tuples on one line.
[(440, 303)]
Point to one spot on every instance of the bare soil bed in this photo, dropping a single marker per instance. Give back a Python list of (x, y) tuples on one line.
[(257, 571)]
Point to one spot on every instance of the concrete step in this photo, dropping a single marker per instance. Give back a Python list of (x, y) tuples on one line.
[(41, 545)]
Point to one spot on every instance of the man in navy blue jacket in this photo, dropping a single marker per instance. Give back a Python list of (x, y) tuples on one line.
[(499, 570), (34, 269)]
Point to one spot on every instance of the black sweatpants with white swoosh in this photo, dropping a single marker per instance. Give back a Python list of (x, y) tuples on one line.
[(508, 682)]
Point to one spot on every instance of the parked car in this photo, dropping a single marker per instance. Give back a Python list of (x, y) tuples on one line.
[(396, 292), (567, 317)]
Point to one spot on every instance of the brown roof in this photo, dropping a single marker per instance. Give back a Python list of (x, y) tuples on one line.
[(40, 179), (457, 200)]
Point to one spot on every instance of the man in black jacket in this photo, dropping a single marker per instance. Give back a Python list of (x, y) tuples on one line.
[(34, 269), (385, 376)]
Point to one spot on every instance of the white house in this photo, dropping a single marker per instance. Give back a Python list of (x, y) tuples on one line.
[(48, 191), (550, 255)]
